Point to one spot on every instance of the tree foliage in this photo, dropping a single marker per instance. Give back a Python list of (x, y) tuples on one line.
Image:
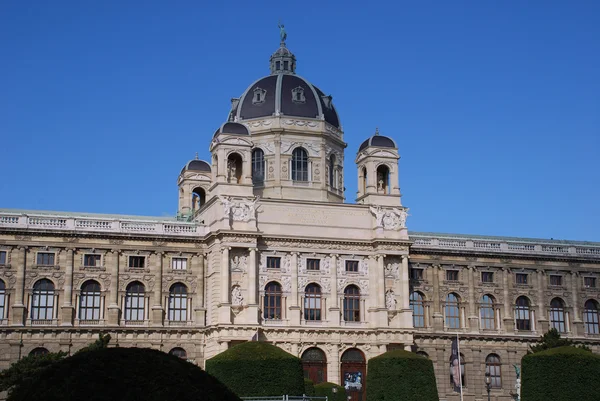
[(401, 376), (27, 367), (257, 369), (326, 390), (552, 339)]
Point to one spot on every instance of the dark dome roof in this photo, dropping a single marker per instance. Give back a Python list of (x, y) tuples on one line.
[(283, 93), (196, 165), (231, 128), (379, 141)]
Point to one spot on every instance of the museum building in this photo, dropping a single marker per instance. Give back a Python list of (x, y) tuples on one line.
[(264, 246)]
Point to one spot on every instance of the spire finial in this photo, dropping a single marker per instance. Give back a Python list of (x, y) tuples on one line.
[(376, 130), (196, 155)]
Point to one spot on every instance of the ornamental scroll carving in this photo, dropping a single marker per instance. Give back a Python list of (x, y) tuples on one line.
[(393, 219), (239, 210)]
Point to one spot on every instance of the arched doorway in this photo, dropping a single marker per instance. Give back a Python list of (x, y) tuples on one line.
[(314, 363), (354, 370)]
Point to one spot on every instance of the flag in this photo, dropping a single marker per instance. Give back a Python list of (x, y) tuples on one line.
[(455, 366)]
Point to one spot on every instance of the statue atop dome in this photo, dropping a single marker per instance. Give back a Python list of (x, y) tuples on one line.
[(282, 32)]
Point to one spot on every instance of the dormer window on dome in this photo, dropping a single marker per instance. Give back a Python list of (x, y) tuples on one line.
[(298, 95), (259, 96)]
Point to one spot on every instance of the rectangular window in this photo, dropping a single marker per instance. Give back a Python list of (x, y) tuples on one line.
[(416, 274), (352, 266), (313, 264), (556, 280), (179, 263), (273, 262), (487, 277), (589, 282), (286, 65), (2, 257), (45, 259), (521, 278), (91, 260), (137, 261), (452, 275)]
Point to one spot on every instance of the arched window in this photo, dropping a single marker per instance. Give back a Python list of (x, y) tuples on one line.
[(2, 300), (312, 302), (332, 182), (198, 198), (39, 351), (258, 165), (492, 366), (42, 302), (383, 179), (272, 301), (234, 168), (178, 304), (590, 317), (299, 165), (557, 315), (363, 184), (462, 372), (352, 304), (486, 313), (135, 301), (452, 312), (89, 301), (522, 314), (418, 310), (179, 353), (314, 364)]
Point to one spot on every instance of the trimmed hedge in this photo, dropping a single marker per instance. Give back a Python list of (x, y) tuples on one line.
[(401, 375), (114, 374), (257, 369), (309, 387), (325, 390), (563, 373)]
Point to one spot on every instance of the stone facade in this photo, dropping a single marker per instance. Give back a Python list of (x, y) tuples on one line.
[(264, 246)]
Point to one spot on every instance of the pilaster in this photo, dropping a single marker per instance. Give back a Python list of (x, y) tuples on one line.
[(67, 310), (18, 308), (114, 311), (225, 305), (156, 265), (334, 310), (198, 268), (294, 316)]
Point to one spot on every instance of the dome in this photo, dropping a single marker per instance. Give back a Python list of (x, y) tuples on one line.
[(196, 165), (284, 93), (378, 141), (231, 128)]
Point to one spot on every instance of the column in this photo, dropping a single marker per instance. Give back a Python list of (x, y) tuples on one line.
[(407, 320), (324, 163), (381, 281), (334, 309), (114, 312), (438, 317), (575, 318), (542, 319), (157, 309), (224, 306), (199, 309), (253, 307), (294, 316), (18, 309), (277, 165), (68, 312), (473, 317), (509, 321)]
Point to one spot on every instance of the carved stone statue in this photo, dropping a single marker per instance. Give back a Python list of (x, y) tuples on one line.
[(391, 270), (282, 32), (238, 263), (390, 300), (227, 203), (379, 213), (394, 219), (236, 296), (242, 210), (517, 394)]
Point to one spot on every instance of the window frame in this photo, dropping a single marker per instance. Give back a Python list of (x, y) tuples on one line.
[(93, 256), (351, 303), (273, 301), (273, 262), (43, 300), (3, 257), (555, 280), (258, 165), (451, 306), (418, 309), (131, 258), (451, 273), (179, 260), (557, 314), (493, 366), (178, 303), (487, 312), (591, 318), (313, 304), (416, 273), (524, 311), (313, 264), (351, 266), (41, 256), (522, 278), (132, 312), (487, 277), (87, 308), (3, 305), (592, 281), (300, 165)]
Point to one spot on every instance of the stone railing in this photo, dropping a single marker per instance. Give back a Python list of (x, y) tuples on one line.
[(107, 225), (508, 246)]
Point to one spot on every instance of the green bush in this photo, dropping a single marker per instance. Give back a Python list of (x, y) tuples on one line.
[(257, 369), (114, 374), (563, 373), (309, 387), (325, 390), (401, 375)]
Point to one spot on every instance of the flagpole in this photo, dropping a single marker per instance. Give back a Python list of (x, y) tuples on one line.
[(459, 367)]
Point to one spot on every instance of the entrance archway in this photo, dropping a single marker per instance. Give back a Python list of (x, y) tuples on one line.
[(354, 373), (314, 363)]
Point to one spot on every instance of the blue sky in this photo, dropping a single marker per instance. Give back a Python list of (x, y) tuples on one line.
[(495, 105)]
